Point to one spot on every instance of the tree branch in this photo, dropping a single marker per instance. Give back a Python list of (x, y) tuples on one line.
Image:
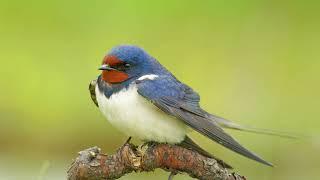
[(91, 164)]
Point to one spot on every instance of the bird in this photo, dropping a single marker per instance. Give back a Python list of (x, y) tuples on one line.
[(144, 100)]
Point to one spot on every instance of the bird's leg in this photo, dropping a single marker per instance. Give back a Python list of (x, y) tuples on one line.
[(125, 143), (128, 140), (172, 174), (148, 143)]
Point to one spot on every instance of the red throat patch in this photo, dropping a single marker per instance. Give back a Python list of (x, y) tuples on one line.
[(113, 76)]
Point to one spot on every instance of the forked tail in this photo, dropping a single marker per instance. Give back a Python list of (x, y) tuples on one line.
[(231, 125)]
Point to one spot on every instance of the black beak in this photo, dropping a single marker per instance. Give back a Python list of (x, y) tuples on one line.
[(106, 67)]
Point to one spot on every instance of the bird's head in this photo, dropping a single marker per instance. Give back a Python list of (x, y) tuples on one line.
[(125, 62)]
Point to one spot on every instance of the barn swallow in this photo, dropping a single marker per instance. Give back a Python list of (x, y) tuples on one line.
[(144, 100)]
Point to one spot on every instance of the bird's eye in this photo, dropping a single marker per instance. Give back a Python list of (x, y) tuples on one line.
[(127, 65)]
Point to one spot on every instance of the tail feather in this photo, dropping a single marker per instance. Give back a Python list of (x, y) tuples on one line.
[(231, 125), (190, 144)]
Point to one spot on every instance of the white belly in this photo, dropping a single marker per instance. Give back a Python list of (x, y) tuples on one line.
[(137, 117)]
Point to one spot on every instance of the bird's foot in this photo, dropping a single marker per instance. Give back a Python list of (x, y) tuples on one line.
[(146, 144), (151, 143)]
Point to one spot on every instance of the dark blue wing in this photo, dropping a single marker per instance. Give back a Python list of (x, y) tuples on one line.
[(180, 101)]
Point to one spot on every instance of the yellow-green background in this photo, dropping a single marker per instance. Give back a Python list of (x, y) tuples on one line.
[(255, 62)]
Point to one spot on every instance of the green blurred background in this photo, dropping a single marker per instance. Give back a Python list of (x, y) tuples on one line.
[(255, 62)]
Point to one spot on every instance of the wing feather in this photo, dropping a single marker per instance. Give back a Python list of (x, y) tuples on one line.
[(186, 108)]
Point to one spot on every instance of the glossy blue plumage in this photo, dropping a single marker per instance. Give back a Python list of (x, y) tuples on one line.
[(170, 95), (142, 64)]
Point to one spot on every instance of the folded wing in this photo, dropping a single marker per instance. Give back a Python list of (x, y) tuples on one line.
[(180, 101)]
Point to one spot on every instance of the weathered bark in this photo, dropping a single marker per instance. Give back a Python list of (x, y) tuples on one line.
[(91, 164)]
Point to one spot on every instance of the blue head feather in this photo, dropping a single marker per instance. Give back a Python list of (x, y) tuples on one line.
[(141, 63), (130, 54)]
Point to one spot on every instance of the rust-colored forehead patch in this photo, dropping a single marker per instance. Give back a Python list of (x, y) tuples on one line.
[(111, 60)]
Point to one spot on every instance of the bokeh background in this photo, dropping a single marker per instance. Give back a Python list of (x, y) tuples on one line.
[(255, 62)]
